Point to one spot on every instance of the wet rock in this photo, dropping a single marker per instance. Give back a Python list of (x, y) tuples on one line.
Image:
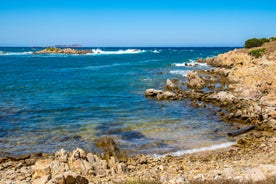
[(107, 144), (20, 157), (200, 60)]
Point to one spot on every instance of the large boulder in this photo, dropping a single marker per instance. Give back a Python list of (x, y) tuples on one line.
[(195, 81)]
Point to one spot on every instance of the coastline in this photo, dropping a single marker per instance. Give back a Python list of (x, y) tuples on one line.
[(253, 158)]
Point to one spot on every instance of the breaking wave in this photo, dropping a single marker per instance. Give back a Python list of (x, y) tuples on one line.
[(195, 150), (127, 51), (15, 53), (191, 62)]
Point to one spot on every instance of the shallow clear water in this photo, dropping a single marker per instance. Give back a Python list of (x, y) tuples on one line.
[(48, 102)]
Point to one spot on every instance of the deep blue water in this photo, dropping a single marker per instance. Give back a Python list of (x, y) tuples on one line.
[(48, 102)]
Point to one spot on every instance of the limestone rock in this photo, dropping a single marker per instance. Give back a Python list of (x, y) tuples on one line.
[(42, 168)]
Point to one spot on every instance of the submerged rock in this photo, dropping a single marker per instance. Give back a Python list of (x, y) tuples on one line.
[(108, 145)]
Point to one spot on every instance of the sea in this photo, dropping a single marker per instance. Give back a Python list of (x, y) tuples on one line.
[(54, 101)]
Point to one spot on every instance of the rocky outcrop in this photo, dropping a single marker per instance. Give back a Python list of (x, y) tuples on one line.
[(243, 85)]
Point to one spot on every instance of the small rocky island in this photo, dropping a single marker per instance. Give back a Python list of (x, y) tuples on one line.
[(55, 50)]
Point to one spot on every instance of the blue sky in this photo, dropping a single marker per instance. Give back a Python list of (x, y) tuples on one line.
[(135, 23)]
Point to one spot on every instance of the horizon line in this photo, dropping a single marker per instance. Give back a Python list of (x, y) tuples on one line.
[(197, 46)]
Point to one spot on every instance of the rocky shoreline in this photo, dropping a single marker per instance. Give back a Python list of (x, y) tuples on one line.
[(244, 86)]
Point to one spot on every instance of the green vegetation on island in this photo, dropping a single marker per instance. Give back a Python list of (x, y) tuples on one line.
[(52, 49)]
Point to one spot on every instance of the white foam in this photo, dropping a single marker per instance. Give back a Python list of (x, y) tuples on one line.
[(15, 53), (180, 64), (179, 72), (191, 62), (156, 51), (127, 51), (195, 150)]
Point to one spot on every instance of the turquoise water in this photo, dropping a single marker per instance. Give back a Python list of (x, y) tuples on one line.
[(48, 102)]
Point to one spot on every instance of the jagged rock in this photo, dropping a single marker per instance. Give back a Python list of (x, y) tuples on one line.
[(195, 81), (99, 166), (62, 155), (78, 154)]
